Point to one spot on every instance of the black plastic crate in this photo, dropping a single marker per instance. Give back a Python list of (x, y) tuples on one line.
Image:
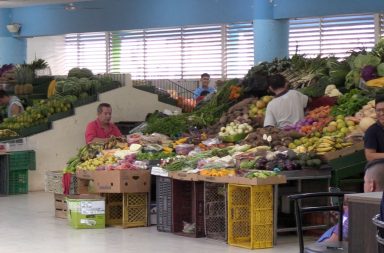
[(164, 203), (188, 208), (215, 205), (4, 171)]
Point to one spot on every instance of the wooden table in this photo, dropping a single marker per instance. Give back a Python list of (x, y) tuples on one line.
[(362, 232)]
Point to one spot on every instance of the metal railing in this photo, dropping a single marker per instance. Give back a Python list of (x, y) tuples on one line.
[(181, 91)]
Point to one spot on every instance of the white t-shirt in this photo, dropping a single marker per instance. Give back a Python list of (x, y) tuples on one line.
[(286, 109)]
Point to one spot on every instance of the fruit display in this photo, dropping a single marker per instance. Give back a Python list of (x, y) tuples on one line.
[(92, 164), (258, 108), (36, 114), (320, 145)]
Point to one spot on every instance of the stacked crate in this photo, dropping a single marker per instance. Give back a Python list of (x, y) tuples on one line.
[(14, 172), (250, 216), (215, 205)]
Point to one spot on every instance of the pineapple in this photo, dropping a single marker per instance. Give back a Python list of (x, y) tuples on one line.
[(24, 76)]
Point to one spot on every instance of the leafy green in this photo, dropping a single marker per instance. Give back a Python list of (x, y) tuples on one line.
[(363, 60), (350, 103)]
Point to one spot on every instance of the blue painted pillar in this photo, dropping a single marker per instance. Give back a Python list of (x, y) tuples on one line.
[(270, 35), (12, 50)]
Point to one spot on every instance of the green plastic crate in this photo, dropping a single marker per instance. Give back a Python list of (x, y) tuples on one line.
[(18, 182), (86, 211), (61, 115), (22, 160), (348, 167)]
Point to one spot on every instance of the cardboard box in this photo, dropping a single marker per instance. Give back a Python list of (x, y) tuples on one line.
[(184, 176), (279, 179), (122, 181), (223, 179), (86, 211), (85, 174)]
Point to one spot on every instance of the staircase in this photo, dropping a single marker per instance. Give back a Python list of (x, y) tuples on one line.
[(179, 93)]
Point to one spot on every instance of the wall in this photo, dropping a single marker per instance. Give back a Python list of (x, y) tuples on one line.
[(310, 8), (11, 49), (132, 14), (54, 147)]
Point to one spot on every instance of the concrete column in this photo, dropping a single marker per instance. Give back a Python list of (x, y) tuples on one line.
[(270, 39)]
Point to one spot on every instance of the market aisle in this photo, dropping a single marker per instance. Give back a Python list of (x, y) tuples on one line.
[(27, 225)]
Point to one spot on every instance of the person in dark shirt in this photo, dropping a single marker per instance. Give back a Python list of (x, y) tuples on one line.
[(374, 136)]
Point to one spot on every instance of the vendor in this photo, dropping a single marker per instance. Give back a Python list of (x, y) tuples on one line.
[(287, 107), (13, 103), (205, 78), (101, 129), (374, 136)]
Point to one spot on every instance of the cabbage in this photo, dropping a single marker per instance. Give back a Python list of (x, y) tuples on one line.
[(368, 73), (380, 69), (363, 60)]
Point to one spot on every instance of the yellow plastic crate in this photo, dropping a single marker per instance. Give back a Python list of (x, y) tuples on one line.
[(127, 209), (250, 216)]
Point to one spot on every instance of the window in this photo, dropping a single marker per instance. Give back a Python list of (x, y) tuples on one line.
[(166, 53), (333, 35), (86, 50)]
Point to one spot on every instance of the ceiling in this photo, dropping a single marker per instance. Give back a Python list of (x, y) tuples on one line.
[(24, 3)]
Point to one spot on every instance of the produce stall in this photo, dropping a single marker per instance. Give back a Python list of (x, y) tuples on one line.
[(219, 173)]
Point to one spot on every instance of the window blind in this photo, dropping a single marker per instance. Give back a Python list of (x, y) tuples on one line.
[(87, 50), (333, 35)]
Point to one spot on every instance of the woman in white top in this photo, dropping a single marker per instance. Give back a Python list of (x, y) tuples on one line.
[(13, 103)]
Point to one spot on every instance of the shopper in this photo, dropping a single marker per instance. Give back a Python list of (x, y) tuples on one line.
[(101, 129), (374, 136), (287, 107), (373, 182), (205, 78), (13, 103)]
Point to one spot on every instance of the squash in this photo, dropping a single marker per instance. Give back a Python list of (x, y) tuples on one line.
[(366, 122), (377, 82)]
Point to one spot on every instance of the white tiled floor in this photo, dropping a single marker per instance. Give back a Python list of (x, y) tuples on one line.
[(27, 225)]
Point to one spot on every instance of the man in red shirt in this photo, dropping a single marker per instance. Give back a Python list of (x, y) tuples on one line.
[(101, 129)]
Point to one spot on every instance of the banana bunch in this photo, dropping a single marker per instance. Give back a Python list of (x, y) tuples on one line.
[(89, 151), (7, 133), (330, 143), (116, 142), (51, 88), (92, 164), (72, 164)]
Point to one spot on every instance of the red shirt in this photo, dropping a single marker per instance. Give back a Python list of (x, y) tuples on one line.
[(95, 130)]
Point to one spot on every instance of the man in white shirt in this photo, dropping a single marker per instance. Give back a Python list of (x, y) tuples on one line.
[(287, 107)]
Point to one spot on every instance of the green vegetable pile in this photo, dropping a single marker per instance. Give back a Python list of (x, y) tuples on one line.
[(350, 103), (207, 115), (153, 156)]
